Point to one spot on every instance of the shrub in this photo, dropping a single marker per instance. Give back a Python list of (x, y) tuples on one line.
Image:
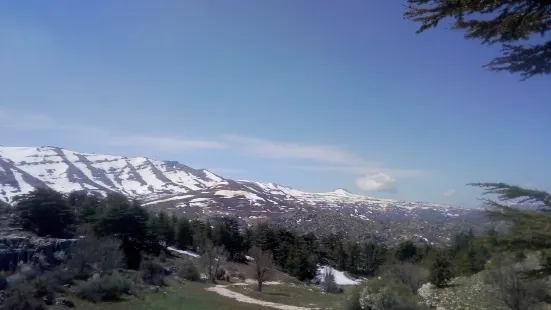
[(379, 295), (513, 291), (152, 272), (3, 282), (94, 255), (104, 288), (353, 300), (189, 271), (21, 297), (440, 272), (408, 274)]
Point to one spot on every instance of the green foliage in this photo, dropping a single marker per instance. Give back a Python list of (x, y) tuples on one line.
[(184, 235), (407, 275), (104, 288), (513, 291), (129, 222), (45, 212), (329, 285), (353, 301), (226, 233), (152, 272), (440, 271), (529, 229), (92, 255), (301, 264), (407, 251), (21, 296), (88, 207), (495, 22), (381, 295), (163, 227), (189, 271)]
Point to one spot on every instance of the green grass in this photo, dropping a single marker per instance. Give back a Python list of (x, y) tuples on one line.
[(296, 295), (184, 296)]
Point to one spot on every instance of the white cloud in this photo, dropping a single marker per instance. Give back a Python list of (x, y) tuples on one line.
[(370, 175), (328, 154), (450, 192), (379, 182), (374, 176)]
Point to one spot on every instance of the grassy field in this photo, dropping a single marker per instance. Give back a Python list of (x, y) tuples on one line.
[(295, 295), (186, 296)]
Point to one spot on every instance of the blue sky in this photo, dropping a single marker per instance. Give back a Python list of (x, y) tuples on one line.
[(311, 94)]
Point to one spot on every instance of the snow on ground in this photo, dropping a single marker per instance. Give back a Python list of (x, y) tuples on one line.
[(222, 290), (189, 253), (167, 199), (340, 277)]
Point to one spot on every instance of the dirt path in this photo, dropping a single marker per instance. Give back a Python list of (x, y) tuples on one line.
[(222, 290)]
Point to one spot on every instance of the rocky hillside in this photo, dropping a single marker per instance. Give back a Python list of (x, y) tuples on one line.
[(182, 189)]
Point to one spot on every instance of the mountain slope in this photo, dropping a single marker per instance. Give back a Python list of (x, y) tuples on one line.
[(172, 186), (23, 168)]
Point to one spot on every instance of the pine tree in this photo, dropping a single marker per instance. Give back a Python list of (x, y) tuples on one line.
[(440, 271), (530, 229), (506, 23), (129, 222), (46, 213), (184, 237)]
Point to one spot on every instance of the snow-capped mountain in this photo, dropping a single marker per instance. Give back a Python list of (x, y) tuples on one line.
[(24, 168), (179, 188)]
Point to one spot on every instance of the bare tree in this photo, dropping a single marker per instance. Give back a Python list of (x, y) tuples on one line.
[(264, 263), (411, 275), (514, 292), (90, 254), (212, 259)]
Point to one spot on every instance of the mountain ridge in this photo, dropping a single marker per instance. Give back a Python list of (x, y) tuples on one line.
[(175, 187)]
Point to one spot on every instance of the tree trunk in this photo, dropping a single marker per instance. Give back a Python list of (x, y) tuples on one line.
[(259, 286)]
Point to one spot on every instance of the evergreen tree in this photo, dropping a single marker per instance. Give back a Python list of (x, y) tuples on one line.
[(163, 228), (301, 264), (502, 22), (407, 251), (354, 255), (372, 258), (129, 222), (529, 229), (226, 233), (184, 237), (45, 212), (440, 271)]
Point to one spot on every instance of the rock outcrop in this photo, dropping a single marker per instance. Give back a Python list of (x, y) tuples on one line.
[(33, 250)]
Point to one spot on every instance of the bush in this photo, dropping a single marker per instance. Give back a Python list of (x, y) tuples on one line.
[(104, 288), (221, 274), (94, 255), (189, 271), (21, 297), (379, 295), (408, 274), (353, 300), (514, 291), (3, 282), (152, 272), (440, 272)]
